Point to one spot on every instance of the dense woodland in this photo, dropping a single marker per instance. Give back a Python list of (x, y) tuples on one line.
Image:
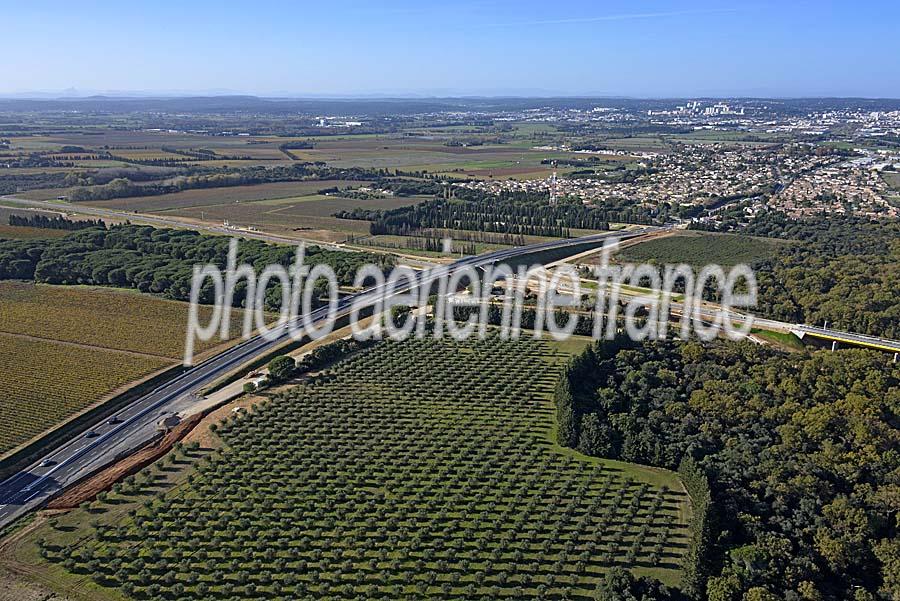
[(800, 452), (845, 271), (158, 261), (16, 181)]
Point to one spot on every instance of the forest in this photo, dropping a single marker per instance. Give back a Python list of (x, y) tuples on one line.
[(845, 271), (158, 261), (799, 453)]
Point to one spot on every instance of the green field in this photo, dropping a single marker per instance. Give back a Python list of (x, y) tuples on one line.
[(780, 339), (421, 469), (701, 248)]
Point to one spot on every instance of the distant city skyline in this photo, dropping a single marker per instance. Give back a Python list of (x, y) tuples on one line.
[(348, 48)]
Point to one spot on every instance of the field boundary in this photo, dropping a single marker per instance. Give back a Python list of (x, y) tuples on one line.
[(81, 345), (27, 452)]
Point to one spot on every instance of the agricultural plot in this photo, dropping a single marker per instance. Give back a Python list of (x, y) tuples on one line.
[(513, 169), (310, 214), (107, 318), (148, 155), (15, 232), (204, 197), (701, 248), (519, 162), (319, 205), (415, 470), (63, 348), (45, 382), (115, 140), (429, 154)]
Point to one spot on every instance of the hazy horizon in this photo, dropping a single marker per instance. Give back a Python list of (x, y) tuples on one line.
[(75, 94), (350, 49)]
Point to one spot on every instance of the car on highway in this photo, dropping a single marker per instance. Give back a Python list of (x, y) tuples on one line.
[(46, 463)]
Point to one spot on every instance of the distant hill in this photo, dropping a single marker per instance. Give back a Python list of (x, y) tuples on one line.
[(400, 106)]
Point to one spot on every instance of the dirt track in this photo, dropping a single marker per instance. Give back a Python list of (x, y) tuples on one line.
[(13, 586)]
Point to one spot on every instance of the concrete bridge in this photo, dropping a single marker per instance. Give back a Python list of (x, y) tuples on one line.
[(837, 337)]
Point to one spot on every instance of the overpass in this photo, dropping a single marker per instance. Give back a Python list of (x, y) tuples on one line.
[(135, 424), (838, 337)]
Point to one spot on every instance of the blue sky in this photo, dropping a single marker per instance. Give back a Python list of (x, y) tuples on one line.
[(343, 47)]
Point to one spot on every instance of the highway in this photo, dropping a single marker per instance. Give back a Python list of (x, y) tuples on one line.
[(136, 424), (884, 344)]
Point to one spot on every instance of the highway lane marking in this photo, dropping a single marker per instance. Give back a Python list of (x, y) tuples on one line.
[(12, 479), (167, 397)]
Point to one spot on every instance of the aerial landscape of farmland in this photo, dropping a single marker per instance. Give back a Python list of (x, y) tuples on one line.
[(466, 301)]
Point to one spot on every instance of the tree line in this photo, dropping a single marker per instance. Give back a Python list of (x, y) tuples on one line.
[(159, 261), (55, 223), (507, 214), (124, 187)]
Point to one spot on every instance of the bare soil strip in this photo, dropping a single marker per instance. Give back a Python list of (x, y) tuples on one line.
[(88, 489)]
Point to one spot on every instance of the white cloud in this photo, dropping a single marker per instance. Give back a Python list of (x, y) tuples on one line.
[(618, 17)]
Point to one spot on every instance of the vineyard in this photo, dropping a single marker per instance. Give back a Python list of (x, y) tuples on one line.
[(63, 348), (45, 382), (101, 317), (414, 470), (699, 249)]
